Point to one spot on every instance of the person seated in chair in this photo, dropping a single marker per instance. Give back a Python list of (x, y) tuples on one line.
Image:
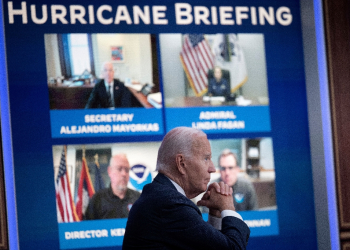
[(110, 92), (218, 86)]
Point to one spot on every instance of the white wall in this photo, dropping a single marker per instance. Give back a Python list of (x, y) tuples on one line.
[(266, 154), (52, 56), (144, 153), (173, 73), (137, 49), (174, 76), (253, 46), (138, 55)]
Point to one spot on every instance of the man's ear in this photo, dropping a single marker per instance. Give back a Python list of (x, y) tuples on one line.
[(109, 171), (237, 169), (180, 163)]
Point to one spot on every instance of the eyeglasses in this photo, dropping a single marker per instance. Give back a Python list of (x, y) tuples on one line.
[(120, 169), (229, 168)]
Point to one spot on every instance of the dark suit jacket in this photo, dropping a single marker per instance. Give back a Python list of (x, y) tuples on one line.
[(123, 98), (162, 218)]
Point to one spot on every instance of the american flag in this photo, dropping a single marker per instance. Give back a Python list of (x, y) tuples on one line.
[(85, 190), (197, 59), (64, 201)]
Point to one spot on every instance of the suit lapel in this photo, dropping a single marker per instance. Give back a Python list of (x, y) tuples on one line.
[(103, 94)]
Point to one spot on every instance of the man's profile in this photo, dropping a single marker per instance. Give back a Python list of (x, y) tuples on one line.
[(164, 217), (116, 200), (244, 196), (110, 92)]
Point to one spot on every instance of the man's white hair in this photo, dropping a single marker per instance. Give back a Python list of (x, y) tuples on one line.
[(179, 140), (117, 157), (104, 64)]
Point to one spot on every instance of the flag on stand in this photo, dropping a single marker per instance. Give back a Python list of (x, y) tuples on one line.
[(229, 55), (197, 59), (99, 184), (85, 190), (65, 206)]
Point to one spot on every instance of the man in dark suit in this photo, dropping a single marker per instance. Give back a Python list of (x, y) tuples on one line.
[(111, 93), (164, 217)]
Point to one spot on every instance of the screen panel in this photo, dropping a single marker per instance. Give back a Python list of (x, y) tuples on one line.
[(270, 103)]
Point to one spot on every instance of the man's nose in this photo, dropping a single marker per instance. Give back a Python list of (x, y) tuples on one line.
[(212, 168)]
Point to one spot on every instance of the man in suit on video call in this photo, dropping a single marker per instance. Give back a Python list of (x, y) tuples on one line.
[(164, 217), (110, 92)]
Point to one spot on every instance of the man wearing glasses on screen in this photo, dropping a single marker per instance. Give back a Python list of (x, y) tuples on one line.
[(244, 196), (116, 200)]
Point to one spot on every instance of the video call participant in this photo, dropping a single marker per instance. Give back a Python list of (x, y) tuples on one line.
[(110, 92), (117, 200), (244, 196), (164, 217), (218, 86)]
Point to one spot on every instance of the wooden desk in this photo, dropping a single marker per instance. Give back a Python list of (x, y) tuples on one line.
[(194, 101), (191, 101), (141, 97), (64, 97)]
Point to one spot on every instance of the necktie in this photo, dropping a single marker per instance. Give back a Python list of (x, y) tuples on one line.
[(110, 97)]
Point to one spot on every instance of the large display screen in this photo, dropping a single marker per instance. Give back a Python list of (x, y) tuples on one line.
[(89, 81)]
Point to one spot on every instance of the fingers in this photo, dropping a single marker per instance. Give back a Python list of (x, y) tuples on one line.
[(204, 199), (206, 196), (221, 188), (201, 203), (217, 200), (214, 185), (224, 189)]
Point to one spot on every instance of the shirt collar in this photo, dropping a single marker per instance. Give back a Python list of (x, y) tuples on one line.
[(177, 186), (107, 84), (112, 195)]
